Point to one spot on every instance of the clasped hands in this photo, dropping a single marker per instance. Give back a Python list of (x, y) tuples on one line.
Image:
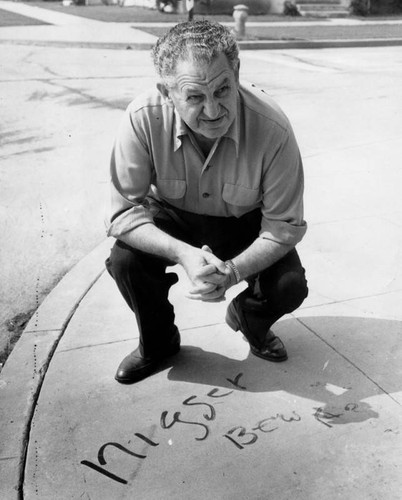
[(210, 277)]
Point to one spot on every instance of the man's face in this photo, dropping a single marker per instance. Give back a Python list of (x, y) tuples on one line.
[(205, 96)]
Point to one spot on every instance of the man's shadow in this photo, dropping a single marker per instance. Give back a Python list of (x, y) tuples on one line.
[(337, 362)]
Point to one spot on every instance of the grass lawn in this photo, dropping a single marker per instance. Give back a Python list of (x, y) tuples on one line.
[(116, 14), (311, 32), (11, 19)]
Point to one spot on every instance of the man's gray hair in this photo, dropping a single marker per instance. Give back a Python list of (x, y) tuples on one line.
[(201, 41)]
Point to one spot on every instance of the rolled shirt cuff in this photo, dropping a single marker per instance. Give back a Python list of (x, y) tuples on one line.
[(129, 220), (278, 231), (282, 232)]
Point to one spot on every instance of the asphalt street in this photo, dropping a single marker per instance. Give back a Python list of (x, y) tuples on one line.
[(61, 106)]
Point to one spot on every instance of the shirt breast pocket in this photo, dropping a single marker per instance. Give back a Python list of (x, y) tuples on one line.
[(173, 189), (241, 196)]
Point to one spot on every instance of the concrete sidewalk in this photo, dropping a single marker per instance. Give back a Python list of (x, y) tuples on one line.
[(67, 30), (216, 421)]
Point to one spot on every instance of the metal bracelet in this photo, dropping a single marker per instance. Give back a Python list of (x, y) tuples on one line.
[(234, 269)]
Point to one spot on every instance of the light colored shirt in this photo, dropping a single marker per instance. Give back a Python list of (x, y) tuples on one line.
[(257, 163)]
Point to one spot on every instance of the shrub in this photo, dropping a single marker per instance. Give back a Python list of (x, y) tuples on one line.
[(375, 7), (256, 7), (290, 9), (360, 7)]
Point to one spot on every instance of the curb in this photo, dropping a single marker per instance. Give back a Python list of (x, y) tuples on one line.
[(243, 44), (24, 372), (317, 44), (82, 45)]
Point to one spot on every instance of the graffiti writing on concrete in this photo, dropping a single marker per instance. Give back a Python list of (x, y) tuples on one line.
[(240, 436), (321, 415), (102, 460), (167, 421)]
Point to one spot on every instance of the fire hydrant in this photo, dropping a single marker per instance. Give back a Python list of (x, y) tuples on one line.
[(240, 15)]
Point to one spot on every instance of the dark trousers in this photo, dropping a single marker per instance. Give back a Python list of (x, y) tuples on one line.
[(144, 283)]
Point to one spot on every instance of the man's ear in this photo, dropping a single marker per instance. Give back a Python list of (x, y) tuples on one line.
[(237, 72), (163, 90)]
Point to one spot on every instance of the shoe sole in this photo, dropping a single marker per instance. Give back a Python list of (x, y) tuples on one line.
[(275, 360)]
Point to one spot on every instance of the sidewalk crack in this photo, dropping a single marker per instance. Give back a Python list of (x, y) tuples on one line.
[(349, 361)]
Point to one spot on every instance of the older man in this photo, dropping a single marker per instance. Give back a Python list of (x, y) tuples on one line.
[(205, 173)]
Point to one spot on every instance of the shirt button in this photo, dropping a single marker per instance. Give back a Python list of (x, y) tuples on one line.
[(205, 195)]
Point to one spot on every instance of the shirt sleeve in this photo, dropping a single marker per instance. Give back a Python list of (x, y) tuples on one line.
[(283, 187), (130, 178)]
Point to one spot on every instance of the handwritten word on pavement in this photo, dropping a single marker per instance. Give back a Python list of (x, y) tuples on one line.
[(166, 422), (240, 436)]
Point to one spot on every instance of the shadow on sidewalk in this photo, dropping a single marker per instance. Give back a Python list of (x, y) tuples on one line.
[(353, 360), (208, 402)]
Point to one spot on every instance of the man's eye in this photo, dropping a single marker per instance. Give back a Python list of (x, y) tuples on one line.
[(194, 98), (223, 91)]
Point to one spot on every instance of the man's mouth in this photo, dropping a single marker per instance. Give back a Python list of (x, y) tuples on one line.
[(215, 120)]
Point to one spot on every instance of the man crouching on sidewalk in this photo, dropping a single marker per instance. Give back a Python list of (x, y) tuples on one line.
[(205, 173)]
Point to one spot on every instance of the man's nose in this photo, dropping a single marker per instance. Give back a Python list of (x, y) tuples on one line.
[(211, 108)]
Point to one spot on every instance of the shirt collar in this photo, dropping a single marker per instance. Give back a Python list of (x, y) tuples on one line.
[(180, 128)]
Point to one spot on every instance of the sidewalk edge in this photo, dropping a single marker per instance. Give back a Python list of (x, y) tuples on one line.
[(24, 372), (243, 44), (317, 44), (80, 44)]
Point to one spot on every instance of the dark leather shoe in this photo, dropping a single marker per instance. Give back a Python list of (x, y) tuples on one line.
[(270, 348), (136, 367)]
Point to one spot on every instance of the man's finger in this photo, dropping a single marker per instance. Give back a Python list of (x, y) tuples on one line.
[(206, 249), (216, 295), (218, 263), (206, 298), (206, 270), (202, 288), (217, 279)]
